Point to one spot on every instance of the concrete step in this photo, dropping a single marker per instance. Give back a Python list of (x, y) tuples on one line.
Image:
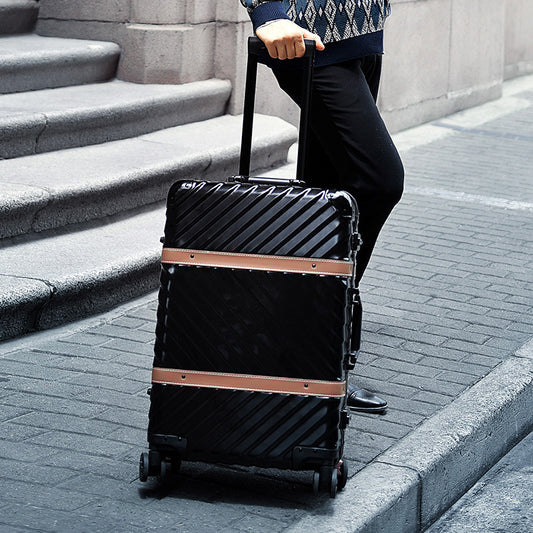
[(18, 16), (64, 277), (54, 119), (30, 62), (54, 189), (65, 274)]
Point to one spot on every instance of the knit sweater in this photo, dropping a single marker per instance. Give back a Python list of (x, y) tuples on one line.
[(349, 28)]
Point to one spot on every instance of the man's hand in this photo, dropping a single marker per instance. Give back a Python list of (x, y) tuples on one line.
[(285, 40)]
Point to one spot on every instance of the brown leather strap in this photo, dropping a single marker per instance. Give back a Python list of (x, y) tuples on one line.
[(276, 263), (219, 380)]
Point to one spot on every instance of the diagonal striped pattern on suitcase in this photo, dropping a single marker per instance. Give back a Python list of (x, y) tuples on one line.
[(255, 323), (259, 219), (245, 427), (258, 323)]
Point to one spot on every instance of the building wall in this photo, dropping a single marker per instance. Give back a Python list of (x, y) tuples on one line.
[(441, 55)]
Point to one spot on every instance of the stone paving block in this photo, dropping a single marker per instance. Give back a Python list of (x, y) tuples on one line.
[(107, 397), (118, 332), (511, 316), (149, 327), (100, 352), (357, 452), (132, 515), (432, 385), (84, 338), (473, 348), (23, 369), (417, 336), (129, 322), (373, 371), (9, 412), (520, 328), (485, 360), (390, 341), (398, 354), (142, 376), (15, 432), (124, 468), (136, 361), (411, 405), (410, 369), (379, 426), (64, 422), (262, 524), (44, 497), (128, 435), (26, 452), (52, 404), (43, 519), (469, 318), (92, 366), (30, 356), (433, 397), (457, 377), (370, 440), (365, 358), (113, 383), (65, 440), (35, 473), (140, 348), (385, 387), (398, 416), (469, 335), (43, 387), (489, 330), (506, 344), (143, 313)]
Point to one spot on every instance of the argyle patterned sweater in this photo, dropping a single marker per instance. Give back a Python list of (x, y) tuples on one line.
[(348, 28)]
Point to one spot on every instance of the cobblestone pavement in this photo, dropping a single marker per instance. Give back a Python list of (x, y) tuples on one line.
[(447, 297)]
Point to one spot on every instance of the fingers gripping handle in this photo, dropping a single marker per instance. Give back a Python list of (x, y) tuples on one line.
[(255, 48)]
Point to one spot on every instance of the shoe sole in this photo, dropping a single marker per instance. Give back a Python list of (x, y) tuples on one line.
[(368, 409)]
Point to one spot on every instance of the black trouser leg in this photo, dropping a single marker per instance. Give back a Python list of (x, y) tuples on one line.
[(349, 145)]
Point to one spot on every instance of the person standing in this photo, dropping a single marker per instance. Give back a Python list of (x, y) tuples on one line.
[(349, 145)]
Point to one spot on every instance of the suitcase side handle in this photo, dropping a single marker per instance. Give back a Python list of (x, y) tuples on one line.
[(255, 49)]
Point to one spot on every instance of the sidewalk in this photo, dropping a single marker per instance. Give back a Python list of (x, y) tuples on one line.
[(448, 340)]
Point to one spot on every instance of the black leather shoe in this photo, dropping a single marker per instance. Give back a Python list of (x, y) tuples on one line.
[(364, 401)]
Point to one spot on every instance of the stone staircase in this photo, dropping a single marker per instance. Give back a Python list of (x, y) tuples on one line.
[(86, 161)]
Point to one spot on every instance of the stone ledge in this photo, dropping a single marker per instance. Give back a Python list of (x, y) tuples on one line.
[(53, 119), (31, 62), (17, 16), (55, 189)]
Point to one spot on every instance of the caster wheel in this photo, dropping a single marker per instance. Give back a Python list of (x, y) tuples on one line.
[(316, 483), (342, 474), (165, 469), (175, 465), (334, 483), (144, 466)]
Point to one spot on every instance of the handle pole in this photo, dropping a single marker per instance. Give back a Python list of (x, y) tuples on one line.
[(248, 115), (255, 48)]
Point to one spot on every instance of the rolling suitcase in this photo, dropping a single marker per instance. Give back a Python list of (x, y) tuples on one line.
[(254, 337)]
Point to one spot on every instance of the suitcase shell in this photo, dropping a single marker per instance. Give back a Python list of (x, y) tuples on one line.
[(245, 353), (254, 333)]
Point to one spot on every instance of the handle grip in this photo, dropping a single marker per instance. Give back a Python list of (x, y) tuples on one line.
[(255, 49)]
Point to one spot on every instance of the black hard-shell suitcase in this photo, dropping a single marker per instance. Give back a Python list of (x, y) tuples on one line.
[(253, 340)]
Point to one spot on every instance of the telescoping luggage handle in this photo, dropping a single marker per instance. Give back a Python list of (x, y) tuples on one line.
[(255, 48)]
